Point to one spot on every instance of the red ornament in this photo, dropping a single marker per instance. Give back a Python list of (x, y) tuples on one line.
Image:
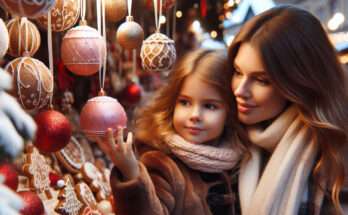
[(10, 174), (32, 203), (101, 113), (53, 132), (132, 93)]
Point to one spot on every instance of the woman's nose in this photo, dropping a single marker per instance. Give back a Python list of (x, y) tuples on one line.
[(242, 89)]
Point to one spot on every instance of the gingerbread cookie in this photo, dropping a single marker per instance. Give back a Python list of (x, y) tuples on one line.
[(69, 204), (72, 156), (90, 211), (85, 195), (36, 168), (96, 180), (87, 149)]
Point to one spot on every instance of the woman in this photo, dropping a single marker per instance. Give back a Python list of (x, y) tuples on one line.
[(292, 99)]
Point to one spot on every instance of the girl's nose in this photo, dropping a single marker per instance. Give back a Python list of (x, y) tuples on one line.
[(195, 114)]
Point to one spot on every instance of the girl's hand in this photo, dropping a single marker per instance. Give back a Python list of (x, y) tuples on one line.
[(121, 153)]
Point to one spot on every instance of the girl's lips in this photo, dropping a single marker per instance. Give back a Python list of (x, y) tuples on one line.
[(193, 130)]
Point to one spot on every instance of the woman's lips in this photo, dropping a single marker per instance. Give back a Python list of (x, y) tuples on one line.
[(244, 108)]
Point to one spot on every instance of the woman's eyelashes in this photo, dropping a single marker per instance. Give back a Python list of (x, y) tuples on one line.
[(259, 78)]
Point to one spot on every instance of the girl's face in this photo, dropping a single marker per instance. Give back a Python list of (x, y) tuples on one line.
[(200, 112), (257, 99)]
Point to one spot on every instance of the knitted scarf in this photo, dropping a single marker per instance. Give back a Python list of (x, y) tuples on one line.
[(281, 186), (202, 157)]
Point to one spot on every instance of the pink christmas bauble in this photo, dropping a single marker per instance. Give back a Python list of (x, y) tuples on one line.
[(27, 8), (83, 50), (158, 53), (101, 113), (24, 37), (53, 131), (33, 81), (64, 15)]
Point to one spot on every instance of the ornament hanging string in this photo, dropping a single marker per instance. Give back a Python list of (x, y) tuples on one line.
[(174, 21), (129, 6), (50, 52), (102, 30), (158, 14), (83, 11)]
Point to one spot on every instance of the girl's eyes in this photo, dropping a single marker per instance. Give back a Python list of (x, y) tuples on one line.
[(211, 106), (183, 102)]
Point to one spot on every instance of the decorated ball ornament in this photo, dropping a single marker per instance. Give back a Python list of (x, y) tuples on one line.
[(166, 4), (99, 114), (130, 34), (32, 203), (24, 37), (53, 132), (27, 8), (9, 172), (4, 39), (83, 50), (32, 81), (64, 15), (158, 53), (115, 10)]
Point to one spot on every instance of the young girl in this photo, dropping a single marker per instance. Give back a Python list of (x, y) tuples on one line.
[(189, 145), (292, 98)]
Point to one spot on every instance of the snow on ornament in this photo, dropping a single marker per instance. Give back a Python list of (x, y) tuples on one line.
[(27, 8), (130, 34), (53, 131), (115, 10), (64, 15), (24, 37), (4, 39), (33, 81), (158, 53), (83, 50), (99, 114)]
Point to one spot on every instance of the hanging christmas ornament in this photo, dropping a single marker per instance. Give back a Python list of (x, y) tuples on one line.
[(130, 34), (32, 203), (115, 10), (99, 114), (132, 93), (4, 39), (9, 172), (34, 82), (83, 50), (27, 8), (167, 4), (24, 37), (53, 132), (64, 15), (158, 52)]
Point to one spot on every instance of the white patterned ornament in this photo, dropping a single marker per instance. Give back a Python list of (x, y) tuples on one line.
[(24, 37), (64, 15), (158, 53), (33, 80), (27, 8)]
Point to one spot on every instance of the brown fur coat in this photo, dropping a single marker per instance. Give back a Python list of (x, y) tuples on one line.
[(165, 186)]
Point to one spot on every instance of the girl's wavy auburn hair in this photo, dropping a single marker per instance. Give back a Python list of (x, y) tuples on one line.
[(303, 66), (154, 121)]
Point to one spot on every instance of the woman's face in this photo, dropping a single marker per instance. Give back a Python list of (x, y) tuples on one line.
[(257, 99)]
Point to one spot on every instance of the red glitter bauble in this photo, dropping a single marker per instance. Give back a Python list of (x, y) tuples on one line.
[(101, 113), (53, 131), (32, 203), (10, 174), (132, 93)]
